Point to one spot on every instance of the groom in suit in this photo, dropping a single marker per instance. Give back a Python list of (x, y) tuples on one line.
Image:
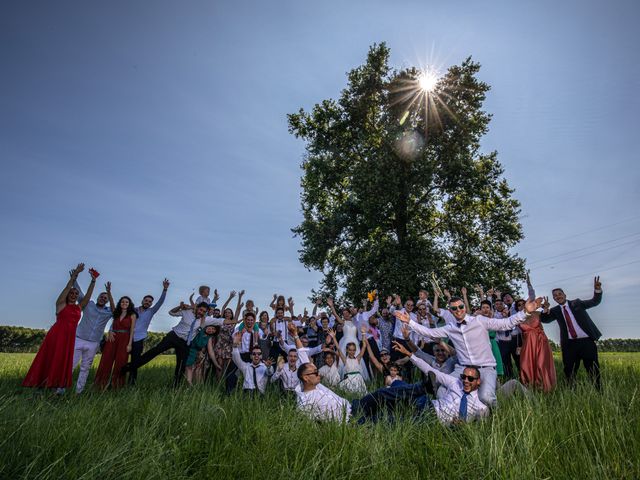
[(578, 333)]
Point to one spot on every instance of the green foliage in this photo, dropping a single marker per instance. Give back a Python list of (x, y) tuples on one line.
[(20, 339), (28, 340), (155, 432), (393, 191)]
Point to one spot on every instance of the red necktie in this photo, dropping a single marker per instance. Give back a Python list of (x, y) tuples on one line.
[(567, 318)]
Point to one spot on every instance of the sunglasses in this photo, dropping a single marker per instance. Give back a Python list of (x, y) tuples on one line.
[(315, 373), (257, 354), (453, 308), (468, 377)]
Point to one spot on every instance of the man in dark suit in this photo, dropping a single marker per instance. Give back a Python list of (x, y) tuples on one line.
[(578, 333)]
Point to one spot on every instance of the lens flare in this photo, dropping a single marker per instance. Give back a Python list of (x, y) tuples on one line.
[(427, 81)]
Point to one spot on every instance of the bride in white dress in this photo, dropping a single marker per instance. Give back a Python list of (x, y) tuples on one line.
[(349, 328)]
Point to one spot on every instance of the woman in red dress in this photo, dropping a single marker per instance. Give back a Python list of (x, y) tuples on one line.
[(53, 365), (116, 350), (536, 358)]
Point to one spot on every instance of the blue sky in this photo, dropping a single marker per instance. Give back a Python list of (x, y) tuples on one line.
[(149, 139)]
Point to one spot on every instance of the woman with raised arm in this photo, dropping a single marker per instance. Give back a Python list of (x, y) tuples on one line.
[(224, 345), (53, 365), (115, 353), (537, 369)]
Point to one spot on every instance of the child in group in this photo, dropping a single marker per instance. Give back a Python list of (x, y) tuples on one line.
[(423, 297), (250, 307), (329, 373), (204, 292), (279, 302), (394, 374), (352, 366), (201, 347)]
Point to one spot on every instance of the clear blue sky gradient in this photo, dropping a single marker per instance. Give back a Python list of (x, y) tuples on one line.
[(149, 139)]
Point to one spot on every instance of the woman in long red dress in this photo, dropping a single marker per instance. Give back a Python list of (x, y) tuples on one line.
[(116, 350), (536, 358), (53, 365)]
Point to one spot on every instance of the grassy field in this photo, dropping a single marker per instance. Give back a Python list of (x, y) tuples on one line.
[(156, 432)]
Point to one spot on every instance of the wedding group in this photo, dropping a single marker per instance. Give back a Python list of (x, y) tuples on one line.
[(388, 356)]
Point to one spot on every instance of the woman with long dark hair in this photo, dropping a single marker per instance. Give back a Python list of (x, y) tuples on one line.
[(53, 365), (116, 350)]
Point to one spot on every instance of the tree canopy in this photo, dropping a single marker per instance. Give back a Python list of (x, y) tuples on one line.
[(395, 186)]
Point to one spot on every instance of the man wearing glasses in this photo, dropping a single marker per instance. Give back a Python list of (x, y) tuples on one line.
[(458, 403), (256, 373), (470, 338), (317, 401)]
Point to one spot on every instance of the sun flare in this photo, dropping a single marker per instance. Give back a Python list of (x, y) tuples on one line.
[(427, 81)]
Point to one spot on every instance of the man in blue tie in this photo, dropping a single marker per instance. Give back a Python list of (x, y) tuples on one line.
[(179, 338), (459, 403)]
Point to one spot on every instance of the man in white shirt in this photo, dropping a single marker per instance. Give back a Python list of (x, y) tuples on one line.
[(301, 346), (287, 372), (256, 373), (459, 403), (317, 401), (470, 338), (251, 335)]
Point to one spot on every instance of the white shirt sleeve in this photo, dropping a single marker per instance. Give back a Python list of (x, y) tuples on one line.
[(442, 378), (235, 355), (276, 376), (305, 353), (432, 333), (365, 316), (502, 323)]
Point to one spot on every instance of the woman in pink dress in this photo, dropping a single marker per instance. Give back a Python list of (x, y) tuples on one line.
[(53, 365), (536, 358)]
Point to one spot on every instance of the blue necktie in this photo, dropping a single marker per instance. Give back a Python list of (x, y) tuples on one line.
[(189, 336), (463, 406)]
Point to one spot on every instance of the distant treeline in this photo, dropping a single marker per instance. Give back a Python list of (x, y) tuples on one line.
[(28, 340), (25, 340)]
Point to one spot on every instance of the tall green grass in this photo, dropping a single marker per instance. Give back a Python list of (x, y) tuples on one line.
[(154, 431)]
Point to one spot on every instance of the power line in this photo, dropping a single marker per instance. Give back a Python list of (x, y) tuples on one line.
[(588, 273), (584, 255), (581, 233), (583, 248)]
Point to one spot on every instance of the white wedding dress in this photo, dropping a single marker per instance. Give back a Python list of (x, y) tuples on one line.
[(350, 335)]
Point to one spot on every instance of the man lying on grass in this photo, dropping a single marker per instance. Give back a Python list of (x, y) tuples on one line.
[(459, 404)]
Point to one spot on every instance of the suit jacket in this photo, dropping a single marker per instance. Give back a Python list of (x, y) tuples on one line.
[(579, 309)]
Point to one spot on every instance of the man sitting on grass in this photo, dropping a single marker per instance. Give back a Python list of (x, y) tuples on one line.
[(460, 402), (317, 401)]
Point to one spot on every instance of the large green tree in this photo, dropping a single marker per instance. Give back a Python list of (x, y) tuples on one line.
[(395, 185)]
